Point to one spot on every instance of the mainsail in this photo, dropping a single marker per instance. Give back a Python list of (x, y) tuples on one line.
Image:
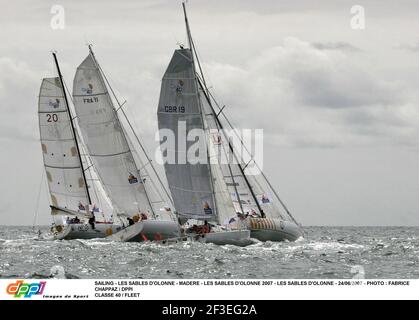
[(62, 163), (106, 141), (179, 111)]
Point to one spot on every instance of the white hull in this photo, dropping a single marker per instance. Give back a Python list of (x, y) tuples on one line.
[(141, 231), (265, 229), (84, 231), (233, 237)]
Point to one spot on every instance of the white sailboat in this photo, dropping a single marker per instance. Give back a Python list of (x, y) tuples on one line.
[(239, 199), (72, 207), (196, 190), (111, 151)]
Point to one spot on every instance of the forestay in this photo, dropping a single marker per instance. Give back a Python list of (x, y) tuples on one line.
[(219, 166), (106, 141)]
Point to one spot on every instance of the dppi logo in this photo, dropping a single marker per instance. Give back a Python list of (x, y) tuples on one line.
[(27, 290)]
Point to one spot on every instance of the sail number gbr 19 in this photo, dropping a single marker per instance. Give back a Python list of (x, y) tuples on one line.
[(174, 109)]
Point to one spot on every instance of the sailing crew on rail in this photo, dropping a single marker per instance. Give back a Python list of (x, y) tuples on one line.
[(92, 220), (130, 221)]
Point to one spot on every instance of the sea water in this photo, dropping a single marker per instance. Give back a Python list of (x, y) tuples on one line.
[(327, 252)]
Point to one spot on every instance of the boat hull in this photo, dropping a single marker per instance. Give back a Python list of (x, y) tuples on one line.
[(233, 237), (157, 230), (85, 231), (265, 229)]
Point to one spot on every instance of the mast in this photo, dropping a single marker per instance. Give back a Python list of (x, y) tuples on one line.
[(204, 86), (188, 30), (72, 126), (190, 41)]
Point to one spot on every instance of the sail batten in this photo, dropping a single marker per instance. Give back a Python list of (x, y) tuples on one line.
[(106, 141)]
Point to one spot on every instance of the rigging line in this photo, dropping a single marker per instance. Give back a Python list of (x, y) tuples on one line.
[(250, 154), (212, 115), (188, 31), (234, 154), (38, 199), (89, 166), (221, 110)]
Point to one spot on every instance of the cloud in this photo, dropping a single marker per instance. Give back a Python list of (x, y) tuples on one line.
[(343, 46), (306, 96), (413, 47), (19, 86)]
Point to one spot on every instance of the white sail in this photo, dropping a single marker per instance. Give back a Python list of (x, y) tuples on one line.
[(106, 141), (190, 184), (219, 167), (61, 160), (100, 200)]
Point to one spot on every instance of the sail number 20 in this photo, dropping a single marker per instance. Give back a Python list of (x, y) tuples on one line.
[(52, 117)]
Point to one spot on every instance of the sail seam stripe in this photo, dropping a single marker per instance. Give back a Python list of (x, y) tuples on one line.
[(68, 194), (90, 95), (178, 78), (58, 111), (70, 139), (189, 190), (55, 167), (109, 155)]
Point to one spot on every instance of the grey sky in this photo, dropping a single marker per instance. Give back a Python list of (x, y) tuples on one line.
[(339, 106)]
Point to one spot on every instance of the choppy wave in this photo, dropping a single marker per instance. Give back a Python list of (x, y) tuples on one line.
[(328, 252)]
